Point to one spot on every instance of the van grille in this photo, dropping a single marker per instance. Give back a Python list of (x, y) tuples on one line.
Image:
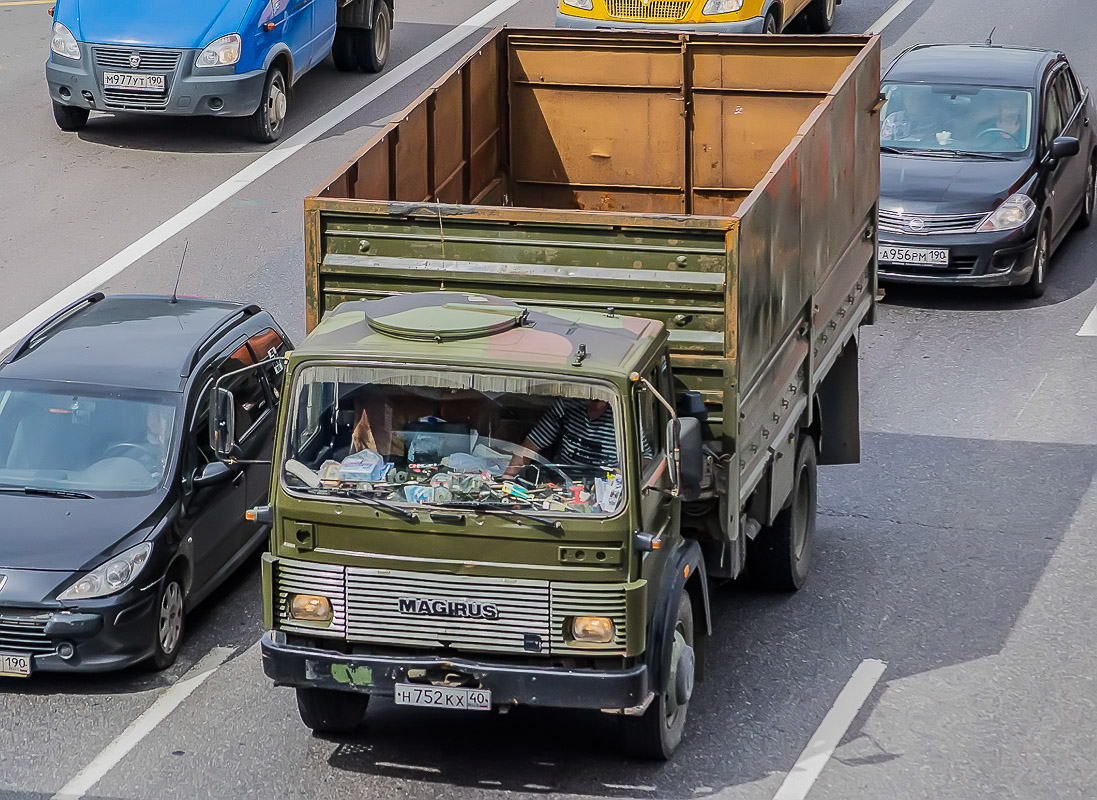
[(25, 633), (655, 10), (150, 60)]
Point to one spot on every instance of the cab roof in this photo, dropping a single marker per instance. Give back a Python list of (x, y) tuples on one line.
[(972, 64), (477, 330), (135, 341)]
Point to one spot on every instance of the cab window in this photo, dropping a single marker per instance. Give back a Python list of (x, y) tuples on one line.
[(652, 417)]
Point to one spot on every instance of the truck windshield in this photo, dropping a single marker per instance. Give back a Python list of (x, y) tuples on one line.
[(455, 439)]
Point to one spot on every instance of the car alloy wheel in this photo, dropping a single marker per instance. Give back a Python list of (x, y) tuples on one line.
[(170, 628)]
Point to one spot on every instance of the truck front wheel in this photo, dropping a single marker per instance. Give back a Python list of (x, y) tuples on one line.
[(329, 711), (373, 46), (657, 734), (70, 118), (780, 558)]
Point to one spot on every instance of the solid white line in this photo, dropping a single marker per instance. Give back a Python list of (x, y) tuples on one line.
[(889, 17), (1089, 327), (144, 725), (834, 726), (110, 268)]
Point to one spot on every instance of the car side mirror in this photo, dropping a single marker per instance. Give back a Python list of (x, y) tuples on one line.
[(222, 423), (1064, 147), (687, 464), (211, 474)]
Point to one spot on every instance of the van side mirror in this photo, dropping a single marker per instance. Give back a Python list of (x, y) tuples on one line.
[(222, 423), (687, 463), (1065, 147)]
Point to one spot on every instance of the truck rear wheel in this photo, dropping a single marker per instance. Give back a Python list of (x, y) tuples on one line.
[(344, 51), (657, 734), (820, 15), (70, 118), (373, 45), (329, 711), (780, 558)]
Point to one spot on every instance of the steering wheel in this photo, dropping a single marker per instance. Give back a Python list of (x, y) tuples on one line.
[(988, 131), (153, 456)]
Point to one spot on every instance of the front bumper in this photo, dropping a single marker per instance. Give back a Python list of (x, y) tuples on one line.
[(510, 684), (188, 91), (752, 25), (975, 259)]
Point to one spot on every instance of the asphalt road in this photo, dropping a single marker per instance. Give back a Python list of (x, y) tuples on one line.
[(960, 552)]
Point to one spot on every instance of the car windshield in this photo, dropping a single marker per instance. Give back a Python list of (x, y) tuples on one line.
[(83, 439), (455, 439), (942, 119)]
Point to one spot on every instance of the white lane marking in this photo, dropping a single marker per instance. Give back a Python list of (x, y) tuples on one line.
[(834, 726), (110, 268), (889, 17), (1089, 327), (144, 725)]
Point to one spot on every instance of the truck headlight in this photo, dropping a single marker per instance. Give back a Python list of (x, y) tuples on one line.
[(221, 52), (1014, 213), (592, 629), (714, 7), (582, 5), (113, 576), (64, 43), (310, 607)]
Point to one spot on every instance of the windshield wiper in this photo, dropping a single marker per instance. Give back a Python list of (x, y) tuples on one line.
[(501, 508), (886, 148), (977, 154), (368, 500), (40, 492)]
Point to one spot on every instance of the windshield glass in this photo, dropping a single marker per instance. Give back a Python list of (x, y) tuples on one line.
[(54, 436), (972, 119), (413, 436)]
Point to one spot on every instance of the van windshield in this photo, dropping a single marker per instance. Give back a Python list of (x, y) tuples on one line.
[(455, 439)]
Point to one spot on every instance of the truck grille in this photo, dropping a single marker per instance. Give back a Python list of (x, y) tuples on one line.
[(24, 633), (655, 10), (300, 577), (896, 222), (150, 60)]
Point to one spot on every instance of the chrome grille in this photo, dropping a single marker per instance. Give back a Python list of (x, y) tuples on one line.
[(656, 10), (581, 599), (896, 222), (301, 577), (24, 633), (151, 60)]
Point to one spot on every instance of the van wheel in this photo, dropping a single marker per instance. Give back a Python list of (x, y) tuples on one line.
[(770, 26), (820, 15), (343, 51), (657, 734), (70, 118), (269, 120), (780, 557), (170, 620), (373, 45), (329, 711)]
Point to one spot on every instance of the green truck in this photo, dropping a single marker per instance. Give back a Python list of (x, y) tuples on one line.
[(582, 327)]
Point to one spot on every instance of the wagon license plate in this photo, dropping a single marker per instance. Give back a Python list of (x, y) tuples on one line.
[(410, 694), (138, 83), (14, 665), (919, 256)]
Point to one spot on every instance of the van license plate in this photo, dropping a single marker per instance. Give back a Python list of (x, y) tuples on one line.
[(138, 83), (920, 256), (14, 665), (410, 694)]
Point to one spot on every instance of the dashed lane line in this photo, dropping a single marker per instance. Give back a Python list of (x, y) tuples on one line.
[(1089, 327), (889, 17)]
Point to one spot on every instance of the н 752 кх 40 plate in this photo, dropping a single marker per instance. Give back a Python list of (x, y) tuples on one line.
[(410, 694)]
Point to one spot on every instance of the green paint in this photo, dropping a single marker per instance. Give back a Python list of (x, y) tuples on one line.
[(352, 676)]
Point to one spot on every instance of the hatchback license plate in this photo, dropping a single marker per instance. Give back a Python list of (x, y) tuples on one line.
[(14, 665), (410, 694), (138, 83), (920, 256)]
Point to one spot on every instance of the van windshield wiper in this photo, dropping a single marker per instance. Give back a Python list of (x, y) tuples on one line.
[(501, 508), (40, 492), (368, 500)]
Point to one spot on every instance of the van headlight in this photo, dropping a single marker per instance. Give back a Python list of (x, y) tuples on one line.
[(582, 5), (64, 43), (1014, 213), (113, 576), (714, 7), (223, 52)]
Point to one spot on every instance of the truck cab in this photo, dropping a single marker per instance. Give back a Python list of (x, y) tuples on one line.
[(224, 58)]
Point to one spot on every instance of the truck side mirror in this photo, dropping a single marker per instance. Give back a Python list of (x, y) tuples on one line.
[(1064, 147), (692, 404), (687, 465), (222, 423)]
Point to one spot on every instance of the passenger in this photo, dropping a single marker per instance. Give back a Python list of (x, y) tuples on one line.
[(919, 121)]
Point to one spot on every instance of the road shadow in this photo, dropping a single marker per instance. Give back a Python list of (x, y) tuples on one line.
[(927, 553)]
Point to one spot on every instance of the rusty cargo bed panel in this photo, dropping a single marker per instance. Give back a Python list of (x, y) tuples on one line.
[(726, 185)]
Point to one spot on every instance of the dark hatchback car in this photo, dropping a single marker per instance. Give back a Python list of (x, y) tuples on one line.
[(988, 160), (117, 517)]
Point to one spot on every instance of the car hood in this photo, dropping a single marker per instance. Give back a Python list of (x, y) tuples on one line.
[(935, 185), (47, 533), (154, 23)]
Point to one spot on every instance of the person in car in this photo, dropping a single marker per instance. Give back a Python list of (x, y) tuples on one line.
[(918, 121)]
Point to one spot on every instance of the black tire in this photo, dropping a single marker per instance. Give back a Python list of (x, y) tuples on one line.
[(657, 734), (1090, 196), (373, 45), (329, 711), (70, 118), (268, 121), (1037, 284), (820, 15), (770, 24), (344, 51), (170, 620), (780, 557)]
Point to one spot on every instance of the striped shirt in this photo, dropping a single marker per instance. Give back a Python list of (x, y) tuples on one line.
[(579, 439)]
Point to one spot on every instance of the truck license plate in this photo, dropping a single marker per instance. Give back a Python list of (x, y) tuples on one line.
[(14, 665), (410, 694), (139, 83), (919, 256)]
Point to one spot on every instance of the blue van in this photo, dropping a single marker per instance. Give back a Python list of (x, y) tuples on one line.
[(224, 58)]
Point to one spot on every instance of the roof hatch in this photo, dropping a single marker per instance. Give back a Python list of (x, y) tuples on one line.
[(443, 316)]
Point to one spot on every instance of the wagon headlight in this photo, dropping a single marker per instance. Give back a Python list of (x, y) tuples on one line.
[(64, 43), (221, 52), (113, 576), (714, 7), (1013, 213)]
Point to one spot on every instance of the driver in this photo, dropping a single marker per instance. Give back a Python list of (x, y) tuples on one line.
[(158, 419), (1011, 117)]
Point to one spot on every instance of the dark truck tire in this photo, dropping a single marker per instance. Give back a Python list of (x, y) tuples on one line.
[(329, 711), (780, 557), (820, 15), (70, 118), (373, 44), (657, 734), (269, 120), (344, 51)]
